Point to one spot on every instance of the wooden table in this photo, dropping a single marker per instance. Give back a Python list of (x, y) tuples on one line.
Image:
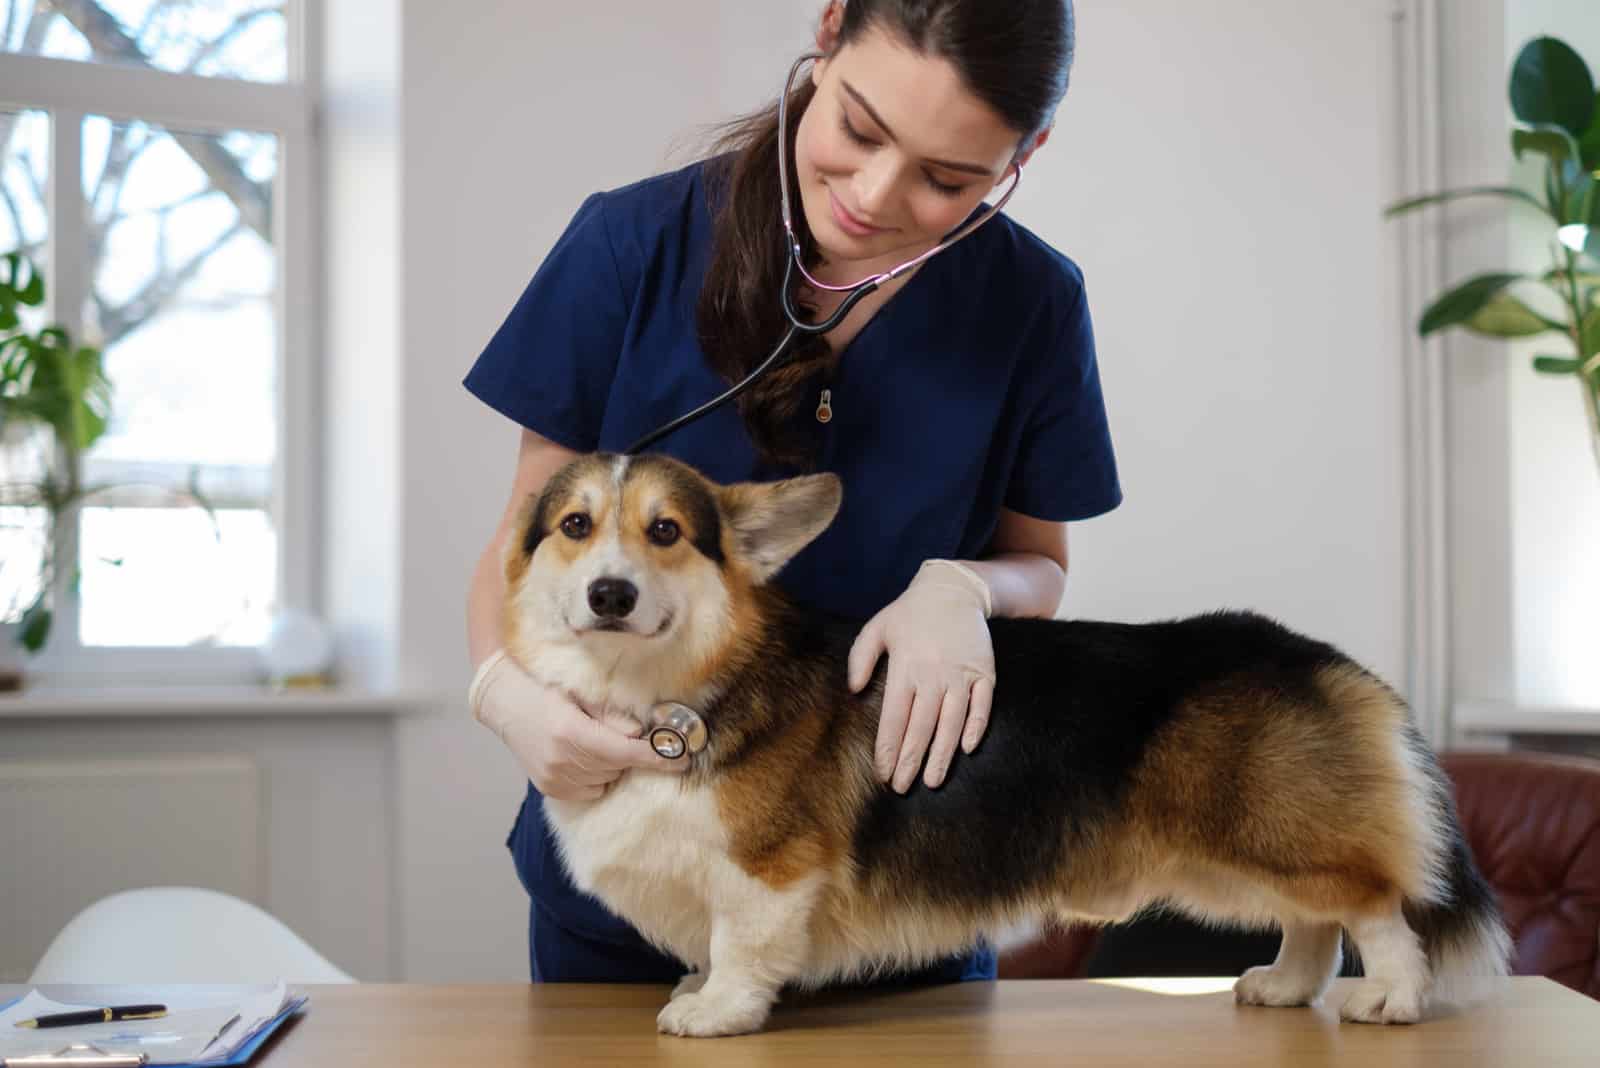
[(1530, 1022)]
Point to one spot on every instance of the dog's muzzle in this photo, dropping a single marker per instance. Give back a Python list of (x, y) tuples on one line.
[(676, 729)]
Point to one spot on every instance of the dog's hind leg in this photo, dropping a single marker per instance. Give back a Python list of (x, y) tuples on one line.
[(1397, 979), (1308, 959)]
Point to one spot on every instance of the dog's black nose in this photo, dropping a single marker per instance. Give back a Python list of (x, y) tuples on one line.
[(612, 598)]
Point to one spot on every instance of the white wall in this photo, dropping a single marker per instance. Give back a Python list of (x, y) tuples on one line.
[(1218, 171)]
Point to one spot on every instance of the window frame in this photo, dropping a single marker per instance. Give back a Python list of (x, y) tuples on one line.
[(70, 90)]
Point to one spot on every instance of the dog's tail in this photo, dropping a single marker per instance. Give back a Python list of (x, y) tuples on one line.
[(1460, 925)]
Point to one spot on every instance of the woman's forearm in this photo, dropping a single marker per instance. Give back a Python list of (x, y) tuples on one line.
[(485, 595), (1022, 584)]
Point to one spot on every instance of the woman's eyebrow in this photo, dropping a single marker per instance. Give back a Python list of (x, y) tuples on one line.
[(970, 168)]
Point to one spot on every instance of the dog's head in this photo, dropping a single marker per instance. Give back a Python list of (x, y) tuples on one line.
[(637, 572)]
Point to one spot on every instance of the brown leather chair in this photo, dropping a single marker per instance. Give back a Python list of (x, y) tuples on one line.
[(1533, 821)]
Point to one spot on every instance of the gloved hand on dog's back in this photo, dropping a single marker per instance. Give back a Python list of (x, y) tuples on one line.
[(940, 681), (566, 753)]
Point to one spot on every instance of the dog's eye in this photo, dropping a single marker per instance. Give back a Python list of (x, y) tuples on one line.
[(575, 525), (663, 532)]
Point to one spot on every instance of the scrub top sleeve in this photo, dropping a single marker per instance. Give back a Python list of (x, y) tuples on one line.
[(551, 364), (1065, 467)]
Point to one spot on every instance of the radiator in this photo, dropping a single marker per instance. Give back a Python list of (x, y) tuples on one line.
[(72, 832)]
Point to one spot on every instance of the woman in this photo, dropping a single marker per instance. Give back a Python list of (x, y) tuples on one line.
[(960, 402)]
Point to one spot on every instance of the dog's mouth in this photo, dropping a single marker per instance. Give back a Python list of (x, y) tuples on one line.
[(621, 626)]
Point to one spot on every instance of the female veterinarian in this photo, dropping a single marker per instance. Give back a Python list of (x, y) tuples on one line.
[(959, 402)]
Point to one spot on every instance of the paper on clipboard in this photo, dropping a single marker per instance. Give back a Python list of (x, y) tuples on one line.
[(202, 1025)]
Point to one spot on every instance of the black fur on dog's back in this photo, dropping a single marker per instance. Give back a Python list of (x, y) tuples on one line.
[(1077, 704)]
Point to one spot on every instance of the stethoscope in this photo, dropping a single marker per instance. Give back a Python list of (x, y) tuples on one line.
[(855, 291), (675, 729)]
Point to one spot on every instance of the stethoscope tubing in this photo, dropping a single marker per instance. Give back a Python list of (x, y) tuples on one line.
[(798, 328)]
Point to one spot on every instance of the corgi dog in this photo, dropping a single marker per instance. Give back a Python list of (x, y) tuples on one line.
[(1221, 765)]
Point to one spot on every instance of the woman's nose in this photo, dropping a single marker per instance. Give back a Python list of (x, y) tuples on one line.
[(875, 185)]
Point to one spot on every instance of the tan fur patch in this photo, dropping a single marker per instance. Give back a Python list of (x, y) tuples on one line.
[(1310, 798)]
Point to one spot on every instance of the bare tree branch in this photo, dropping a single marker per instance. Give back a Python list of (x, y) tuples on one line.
[(126, 144), (118, 322), (13, 211), (241, 22), (107, 37)]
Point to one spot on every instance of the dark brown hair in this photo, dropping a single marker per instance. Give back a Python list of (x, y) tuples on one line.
[(1014, 55)]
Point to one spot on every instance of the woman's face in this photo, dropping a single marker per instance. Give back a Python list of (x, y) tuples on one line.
[(894, 151)]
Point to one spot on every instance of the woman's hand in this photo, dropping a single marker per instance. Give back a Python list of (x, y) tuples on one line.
[(941, 672), (566, 753)]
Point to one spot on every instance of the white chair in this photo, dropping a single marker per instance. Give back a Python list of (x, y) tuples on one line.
[(180, 934)]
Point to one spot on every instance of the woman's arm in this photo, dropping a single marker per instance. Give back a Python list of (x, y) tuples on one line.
[(1026, 569)]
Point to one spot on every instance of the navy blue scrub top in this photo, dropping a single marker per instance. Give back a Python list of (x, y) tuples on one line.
[(972, 389)]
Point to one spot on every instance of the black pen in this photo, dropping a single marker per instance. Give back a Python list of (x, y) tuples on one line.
[(89, 1016)]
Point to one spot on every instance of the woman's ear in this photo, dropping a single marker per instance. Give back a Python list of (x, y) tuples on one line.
[(828, 28), (1033, 145)]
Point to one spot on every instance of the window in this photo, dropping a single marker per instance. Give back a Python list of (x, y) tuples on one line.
[(155, 163)]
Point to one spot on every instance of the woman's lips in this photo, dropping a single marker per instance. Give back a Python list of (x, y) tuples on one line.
[(849, 223)]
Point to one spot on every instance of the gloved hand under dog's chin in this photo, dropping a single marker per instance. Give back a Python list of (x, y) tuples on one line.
[(940, 680), (566, 752)]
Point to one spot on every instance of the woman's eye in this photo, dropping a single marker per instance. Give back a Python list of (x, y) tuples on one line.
[(943, 188), (663, 532), (852, 133), (575, 525)]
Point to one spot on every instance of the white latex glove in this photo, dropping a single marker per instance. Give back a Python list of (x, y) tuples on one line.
[(567, 753), (941, 672)]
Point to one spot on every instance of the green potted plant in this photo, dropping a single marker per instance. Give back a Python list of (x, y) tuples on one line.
[(53, 394), (1554, 99)]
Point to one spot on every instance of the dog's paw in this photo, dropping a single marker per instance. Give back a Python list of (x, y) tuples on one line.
[(1376, 1002), (689, 984), (1271, 985), (698, 1016)]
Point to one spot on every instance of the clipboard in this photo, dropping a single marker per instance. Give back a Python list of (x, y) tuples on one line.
[(89, 1056), (77, 1055)]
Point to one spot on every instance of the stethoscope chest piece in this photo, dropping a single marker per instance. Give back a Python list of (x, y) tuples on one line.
[(676, 729)]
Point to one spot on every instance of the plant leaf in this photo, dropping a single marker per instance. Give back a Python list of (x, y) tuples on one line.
[(1590, 333), (35, 628), (1548, 141), (1400, 207), (1550, 83), (1589, 143), (1555, 365), (1506, 316), (1581, 202), (1464, 301)]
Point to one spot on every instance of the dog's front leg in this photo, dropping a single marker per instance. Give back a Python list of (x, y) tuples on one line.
[(759, 941)]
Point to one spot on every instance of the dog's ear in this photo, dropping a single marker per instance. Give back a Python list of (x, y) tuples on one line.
[(771, 521)]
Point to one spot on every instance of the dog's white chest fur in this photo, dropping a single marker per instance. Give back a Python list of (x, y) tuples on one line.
[(652, 849)]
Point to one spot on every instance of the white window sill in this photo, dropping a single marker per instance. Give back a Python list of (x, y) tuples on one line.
[(220, 701), (1492, 717)]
